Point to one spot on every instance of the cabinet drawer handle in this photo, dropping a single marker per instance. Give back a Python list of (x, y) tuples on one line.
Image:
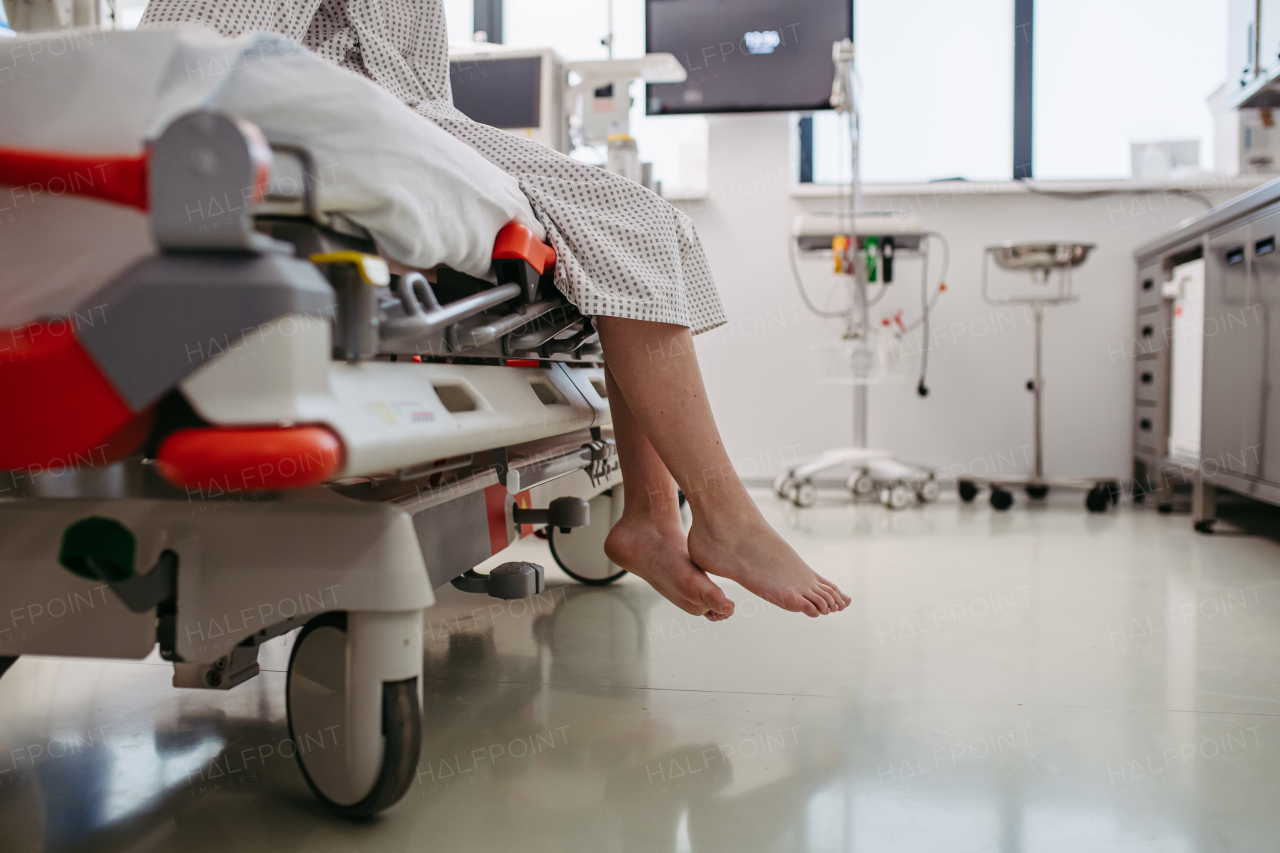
[(1148, 284), (1265, 246), (1235, 256), (1147, 378), (1145, 423), (1148, 331)]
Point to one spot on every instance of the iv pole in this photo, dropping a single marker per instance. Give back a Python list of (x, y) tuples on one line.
[(842, 101)]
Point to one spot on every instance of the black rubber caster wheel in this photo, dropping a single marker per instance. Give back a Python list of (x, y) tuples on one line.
[(968, 490), (580, 553), (1204, 526), (1113, 492), (1164, 509), (1098, 499), (1037, 491), (1000, 499), (316, 701)]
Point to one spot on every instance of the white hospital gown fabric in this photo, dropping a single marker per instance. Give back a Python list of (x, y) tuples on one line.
[(622, 251)]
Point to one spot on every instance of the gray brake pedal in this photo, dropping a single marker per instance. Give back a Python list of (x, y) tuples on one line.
[(508, 581)]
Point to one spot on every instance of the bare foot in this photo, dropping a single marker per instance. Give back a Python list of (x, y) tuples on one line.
[(660, 556), (754, 555)]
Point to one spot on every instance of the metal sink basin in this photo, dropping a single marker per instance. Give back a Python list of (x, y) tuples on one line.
[(1039, 256)]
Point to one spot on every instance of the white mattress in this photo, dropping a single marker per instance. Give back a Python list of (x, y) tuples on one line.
[(426, 197)]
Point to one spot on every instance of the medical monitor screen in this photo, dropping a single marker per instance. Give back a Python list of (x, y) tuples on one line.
[(746, 55), (499, 91)]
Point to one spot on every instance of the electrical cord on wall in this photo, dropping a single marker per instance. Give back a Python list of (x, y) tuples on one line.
[(1092, 194)]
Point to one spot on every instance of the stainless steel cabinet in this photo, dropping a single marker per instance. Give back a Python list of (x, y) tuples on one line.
[(1234, 356), (1240, 389), (1258, 313)]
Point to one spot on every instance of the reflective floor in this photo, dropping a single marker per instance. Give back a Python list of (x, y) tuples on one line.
[(1037, 680)]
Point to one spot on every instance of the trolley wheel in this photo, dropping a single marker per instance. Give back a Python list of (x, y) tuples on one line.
[(1098, 499), (1204, 526), (581, 552), (1113, 492), (804, 494), (968, 490), (861, 484), (897, 496), (783, 484), (1164, 509), (929, 490), (1038, 491), (1001, 499), (318, 705)]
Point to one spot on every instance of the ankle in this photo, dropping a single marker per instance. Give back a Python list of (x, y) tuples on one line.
[(724, 520), (649, 519)]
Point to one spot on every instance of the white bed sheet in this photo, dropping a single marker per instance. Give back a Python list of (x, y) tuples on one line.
[(426, 197)]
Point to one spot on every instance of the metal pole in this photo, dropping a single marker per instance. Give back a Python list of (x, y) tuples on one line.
[(1037, 386), (1023, 87), (860, 415)]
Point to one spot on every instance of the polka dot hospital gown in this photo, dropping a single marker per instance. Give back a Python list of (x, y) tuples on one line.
[(623, 251)]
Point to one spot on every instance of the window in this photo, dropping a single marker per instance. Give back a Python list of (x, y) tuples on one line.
[(935, 93), (1109, 74), (936, 81)]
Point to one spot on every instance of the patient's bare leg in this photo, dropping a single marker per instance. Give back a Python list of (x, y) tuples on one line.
[(649, 539), (656, 368)]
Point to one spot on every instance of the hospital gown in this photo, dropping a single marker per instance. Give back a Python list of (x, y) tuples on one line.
[(622, 251)]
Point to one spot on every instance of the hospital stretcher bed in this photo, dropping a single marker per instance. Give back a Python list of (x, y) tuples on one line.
[(256, 427)]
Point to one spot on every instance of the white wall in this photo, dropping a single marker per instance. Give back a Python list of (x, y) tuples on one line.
[(767, 403)]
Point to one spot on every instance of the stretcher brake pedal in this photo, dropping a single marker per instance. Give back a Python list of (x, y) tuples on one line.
[(564, 513), (508, 581), (103, 549)]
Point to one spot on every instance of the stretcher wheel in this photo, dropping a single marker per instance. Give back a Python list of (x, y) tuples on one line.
[(861, 484), (1001, 499), (783, 484), (1037, 491), (581, 552), (929, 490), (321, 706), (804, 494), (1098, 498), (968, 490), (897, 496)]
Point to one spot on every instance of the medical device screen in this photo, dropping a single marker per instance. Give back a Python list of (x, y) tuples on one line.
[(499, 91), (746, 55)]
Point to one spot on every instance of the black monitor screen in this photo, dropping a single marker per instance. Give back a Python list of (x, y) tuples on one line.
[(746, 55), (498, 91)]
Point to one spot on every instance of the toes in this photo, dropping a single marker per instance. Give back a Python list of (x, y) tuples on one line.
[(715, 599), (808, 608), (833, 601), (819, 601), (844, 600), (838, 600)]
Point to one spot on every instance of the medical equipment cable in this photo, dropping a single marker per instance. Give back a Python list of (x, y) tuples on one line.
[(795, 274)]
